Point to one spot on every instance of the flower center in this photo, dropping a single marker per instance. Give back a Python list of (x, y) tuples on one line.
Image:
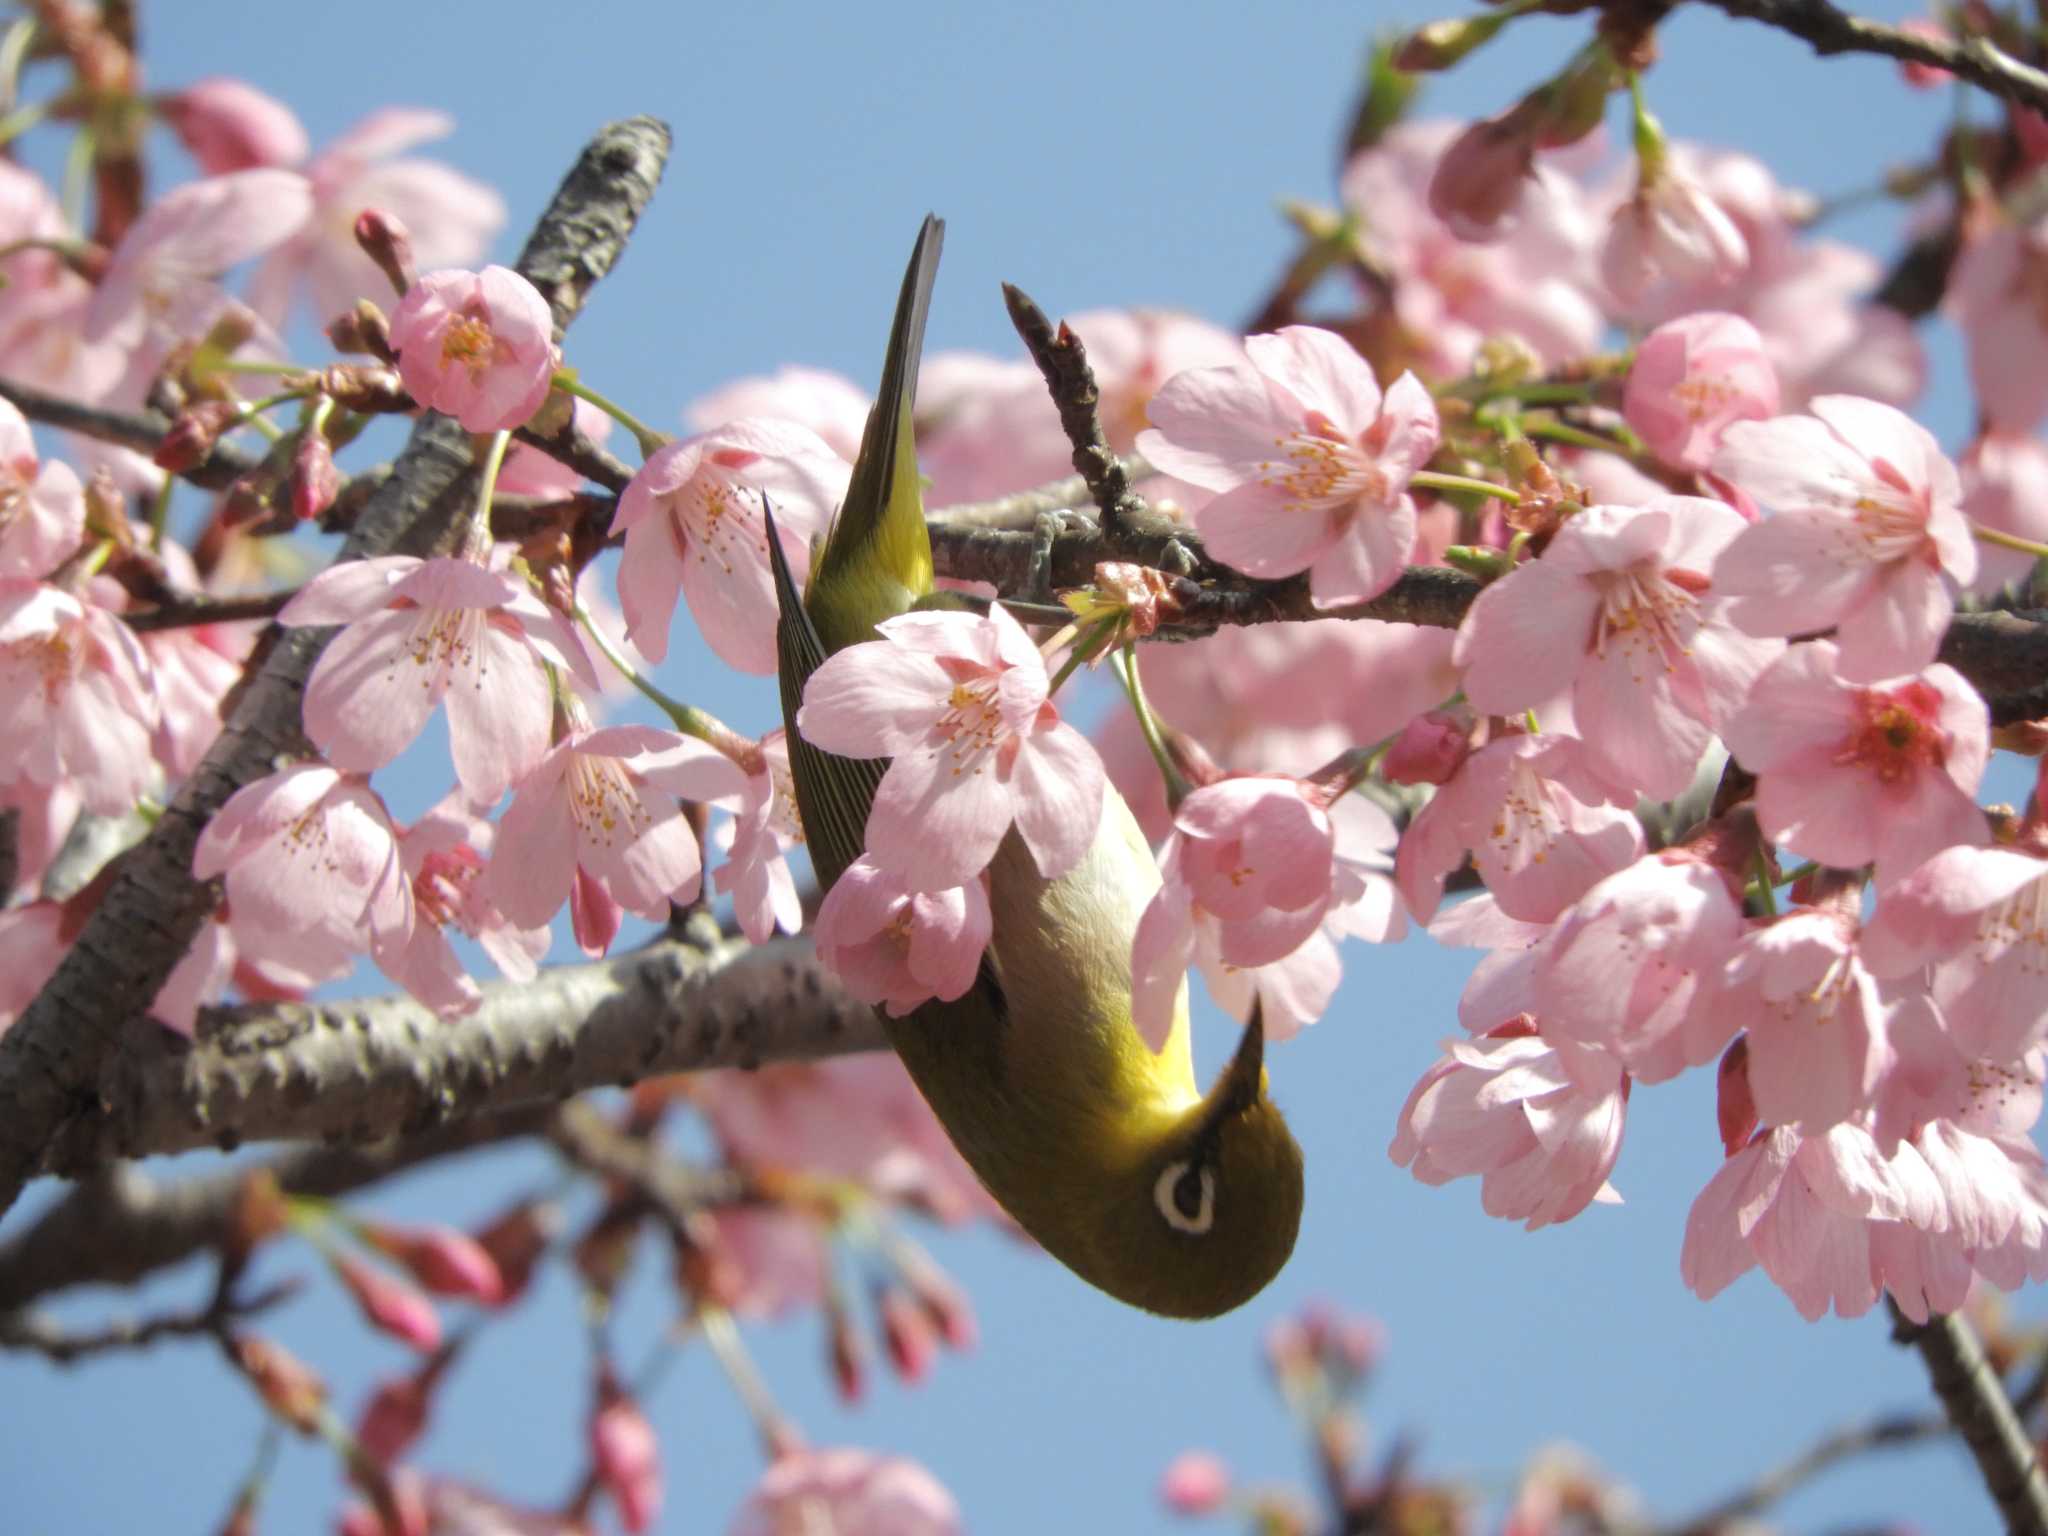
[(468, 343), (441, 888), (972, 724), (1645, 614), (602, 799), (1897, 736)]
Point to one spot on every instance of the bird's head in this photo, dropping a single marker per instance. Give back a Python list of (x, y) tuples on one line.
[(1209, 1214)]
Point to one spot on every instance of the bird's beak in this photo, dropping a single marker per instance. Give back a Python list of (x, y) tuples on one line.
[(1244, 1079)]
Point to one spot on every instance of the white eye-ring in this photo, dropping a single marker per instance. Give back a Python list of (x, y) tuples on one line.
[(1176, 1192)]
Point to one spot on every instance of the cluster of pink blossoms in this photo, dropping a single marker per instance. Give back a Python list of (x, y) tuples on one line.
[(1879, 1072)]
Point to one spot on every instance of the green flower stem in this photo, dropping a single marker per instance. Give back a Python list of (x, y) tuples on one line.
[(644, 435), (160, 511), (1085, 646), (1766, 896), (1126, 663), (2009, 541), (687, 718), (723, 1336), (1432, 481), (1578, 437)]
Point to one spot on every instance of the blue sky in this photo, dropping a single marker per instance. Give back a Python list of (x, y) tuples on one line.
[(1097, 156)]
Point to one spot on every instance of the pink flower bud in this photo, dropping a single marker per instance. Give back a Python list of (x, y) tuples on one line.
[(383, 237), (288, 1388), (394, 1418), (1480, 178), (1195, 1483), (445, 1261), (628, 1456), (1428, 750), (1923, 77), (1693, 379), (192, 436), (315, 481), (391, 1305), (908, 1333)]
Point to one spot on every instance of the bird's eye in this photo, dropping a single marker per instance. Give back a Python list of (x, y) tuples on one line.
[(1186, 1197)]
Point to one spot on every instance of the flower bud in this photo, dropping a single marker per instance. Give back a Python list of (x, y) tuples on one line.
[(515, 1242), (627, 1456), (363, 330), (908, 1334), (384, 238), (1429, 750), (1195, 1483), (315, 481), (191, 440), (288, 1388), (258, 1214), (389, 1304), (445, 1261)]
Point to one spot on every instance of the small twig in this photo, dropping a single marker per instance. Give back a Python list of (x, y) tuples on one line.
[(1975, 1402), (40, 1333), (1837, 1445), (1829, 29), (139, 430), (183, 610), (673, 1188), (1064, 363)]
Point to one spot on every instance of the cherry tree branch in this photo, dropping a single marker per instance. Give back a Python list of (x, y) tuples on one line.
[(1063, 362), (1975, 1401), (120, 1224), (1828, 29), (52, 1058), (139, 430), (45, 1336), (1851, 1440), (366, 1069)]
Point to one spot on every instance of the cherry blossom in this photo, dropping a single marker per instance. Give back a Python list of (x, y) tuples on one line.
[(830, 405), (1534, 822), (1849, 774), (1634, 968), (693, 523), (899, 947), (229, 125), (421, 631), (1453, 295), (1292, 985), (1994, 295), (756, 841), (857, 1118), (42, 504), (77, 701), (478, 346), (1692, 379), (1868, 533), (1671, 230), (1816, 1027), (1806, 1209), (1311, 461), (159, 287), (2005, 486), (312, 865), (1660, 667), (598, 823), (847, 1490), (444, 854), (449, 218), (1979, 916), (960, 703), (1506, 1107)]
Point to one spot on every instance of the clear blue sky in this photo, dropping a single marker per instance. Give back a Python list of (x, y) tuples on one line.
[(1098, 156)]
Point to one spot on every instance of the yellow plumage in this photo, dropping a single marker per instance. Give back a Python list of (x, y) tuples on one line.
[(1177, 1201)]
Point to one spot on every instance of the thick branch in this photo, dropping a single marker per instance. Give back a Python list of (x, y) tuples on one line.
[(51, 1059), (1976, 1404), (1828, 29), (360, 1071)]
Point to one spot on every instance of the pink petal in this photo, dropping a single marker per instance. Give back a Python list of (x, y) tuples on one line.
[(1058, 786)]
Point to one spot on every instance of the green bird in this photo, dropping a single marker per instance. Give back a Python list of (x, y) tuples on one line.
[(1181, 1202)]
